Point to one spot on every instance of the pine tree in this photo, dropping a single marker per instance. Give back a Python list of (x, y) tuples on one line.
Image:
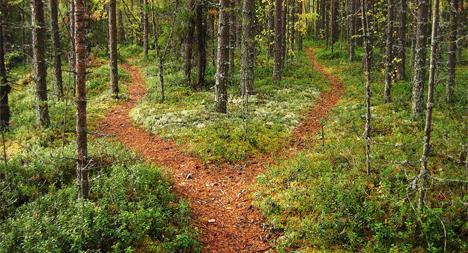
[(452, 53), (56, 45), (114, 73), (222, 61)]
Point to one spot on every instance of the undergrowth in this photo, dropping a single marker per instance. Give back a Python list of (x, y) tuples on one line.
[(322, 198), (188, 116)]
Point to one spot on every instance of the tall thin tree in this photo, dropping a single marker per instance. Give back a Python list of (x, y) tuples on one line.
[(39, 62), (57, 48), (401, 64), (389, 51), (144, 24), (247, 48), (367, 76), (279, 37), (452, 53), (420, 58), (4, 85), (80, 98), (424, 171), (114, 73), (201, 45), (222, 68)]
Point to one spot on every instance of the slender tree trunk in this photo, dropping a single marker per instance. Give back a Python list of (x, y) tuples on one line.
[(247, 48), (81, 128), (401, 65), (389, 51), (367, 76), (114, 73), (71, 54), (232, 34), (222, 61), (39, 62), (299, 33), (452, 53), (4, 86), (121, 27), (144, 23), (423, 173), (420, 59), (271, 30), (188, 54), (352, 31), (201, 40), (279, 36), (57, 49), (334, 14)]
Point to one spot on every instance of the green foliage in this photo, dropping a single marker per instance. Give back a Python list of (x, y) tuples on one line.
[(130, 206), (323, 199), (187, 116)]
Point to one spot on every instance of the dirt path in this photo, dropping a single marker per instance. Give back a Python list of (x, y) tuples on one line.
[(218, 195)]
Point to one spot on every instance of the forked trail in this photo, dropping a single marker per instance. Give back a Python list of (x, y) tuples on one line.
[(218, 195)]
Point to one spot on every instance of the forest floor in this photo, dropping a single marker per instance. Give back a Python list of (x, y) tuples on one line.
[(219, 195)]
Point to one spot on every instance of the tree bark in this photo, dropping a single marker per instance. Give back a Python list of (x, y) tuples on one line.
[(334, 14), (248, 48), (232, 34), (144, 23), (423, 173), (222, 69), (188, 53), (367, 76), (39, 63), (352, 31), (114, 73), (201, 40), (121, 27), (401, 65), (420, 59), (81, 128), (57, 48), (389, 51), (4, 86), (299, 33), (452, 53), (279, 37)]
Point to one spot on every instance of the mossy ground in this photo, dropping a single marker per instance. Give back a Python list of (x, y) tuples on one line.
[(323, 199), (188, 116)]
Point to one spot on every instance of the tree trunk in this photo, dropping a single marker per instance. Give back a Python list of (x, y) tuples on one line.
[(114, 75), (279, 36), (452, 53), (81, 130), (248, 48), (39, 62), (4, 86), (232, 34), (222, 61), (57, 48), (299, 33), (188, 53), (271, 31), (367, 62), (71, 53), (334, 14), (420, 59), (201, 40), (401, 65), (121, 27), (423, 173), (144, 23), (389, 51), (352, 31)]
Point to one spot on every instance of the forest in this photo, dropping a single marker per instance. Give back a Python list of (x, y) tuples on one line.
[(233, 126)]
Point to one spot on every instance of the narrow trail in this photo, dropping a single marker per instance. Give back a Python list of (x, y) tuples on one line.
[(218, 195)]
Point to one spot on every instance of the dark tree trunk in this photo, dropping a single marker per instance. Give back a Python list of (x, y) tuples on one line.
[(247, 48), (39, 62), (81, 128), (334, 14), (452, 53), (279, 37), (114, 73), (57, 49), (420, 59), (232, 34), (423, 173), (222, 61), (121, 27), (299, 33), (201, 40), (4, 86), (401, 65), (144, 24), (389, 51), (188, 53), (71, 53)]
